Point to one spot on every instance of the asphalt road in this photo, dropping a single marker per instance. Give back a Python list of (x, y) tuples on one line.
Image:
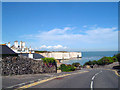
[(21, 80), (96, 78)]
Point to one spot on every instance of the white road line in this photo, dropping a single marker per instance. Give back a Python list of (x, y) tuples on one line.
[(91, 84), (21, 84), (93, 77), (96, 74)]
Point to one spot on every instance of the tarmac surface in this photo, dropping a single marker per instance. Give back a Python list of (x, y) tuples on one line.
[(86, 78), (92, 79)]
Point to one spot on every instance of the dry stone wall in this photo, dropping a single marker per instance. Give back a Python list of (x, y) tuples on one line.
[(22, 65)]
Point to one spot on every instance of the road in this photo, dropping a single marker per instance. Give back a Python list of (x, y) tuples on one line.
[(93, 79)]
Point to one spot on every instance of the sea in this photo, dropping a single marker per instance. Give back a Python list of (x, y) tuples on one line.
[(90, 55)]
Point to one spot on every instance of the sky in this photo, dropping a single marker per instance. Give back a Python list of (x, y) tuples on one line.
[(68, 26)]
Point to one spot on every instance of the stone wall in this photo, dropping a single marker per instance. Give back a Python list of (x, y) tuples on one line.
[(22, 65)]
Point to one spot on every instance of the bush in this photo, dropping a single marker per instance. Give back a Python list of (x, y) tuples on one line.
[(88, 63), (49, 61), (102, 61), (70, 68), (63, 67), (67, 68), (115, 59), (118, 57), (76, 64), (94, 62)]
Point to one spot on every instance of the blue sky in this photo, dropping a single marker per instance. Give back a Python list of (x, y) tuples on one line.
[(73, 26)]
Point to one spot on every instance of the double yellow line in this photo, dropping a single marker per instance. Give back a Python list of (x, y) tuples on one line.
[(114, 71), (42, 81)]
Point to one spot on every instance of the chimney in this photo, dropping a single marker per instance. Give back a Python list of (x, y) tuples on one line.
[(20, 44), (16, 44), (9, 44), (23, 44)]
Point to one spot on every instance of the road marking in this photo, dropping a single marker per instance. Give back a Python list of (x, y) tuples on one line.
[(42, 81), (93, 77), (80, 72), (114, 71), (91, 83), (36, 83)]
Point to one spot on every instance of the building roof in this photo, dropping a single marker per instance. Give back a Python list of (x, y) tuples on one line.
[(35, 55), (5, 50), (13, 47)]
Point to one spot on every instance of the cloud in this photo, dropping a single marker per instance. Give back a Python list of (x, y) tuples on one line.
[(71, 37), (43, 46), (58, 31)]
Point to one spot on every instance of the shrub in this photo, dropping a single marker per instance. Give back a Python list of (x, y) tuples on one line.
[(63, 67), (76, 64), (88, 63), (67, 68), (94, 62), (118, 57), (70, 68), (102, 61), (115, 59), (49, 61)]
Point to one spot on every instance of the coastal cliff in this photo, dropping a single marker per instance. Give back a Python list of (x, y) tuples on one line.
[(62, 55)]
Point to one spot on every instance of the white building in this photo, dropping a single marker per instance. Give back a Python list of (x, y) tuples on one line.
[(20, 48), (9, 44), (16, 44), (20, 44)]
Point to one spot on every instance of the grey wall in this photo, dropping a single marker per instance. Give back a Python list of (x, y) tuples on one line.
[(22, 65)]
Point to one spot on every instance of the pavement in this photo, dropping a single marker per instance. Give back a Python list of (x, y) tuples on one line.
[(85, 78)]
